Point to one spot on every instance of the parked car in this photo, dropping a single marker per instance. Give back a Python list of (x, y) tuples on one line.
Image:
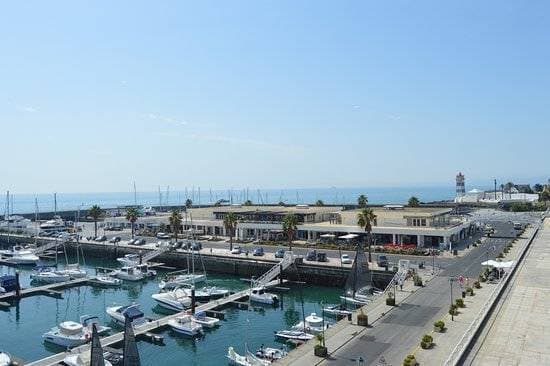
[(311, 256), (196, 245), (236, 250), (132, 242), (115, 239), (163, 236), (518, 225), (258, 252), (101, 238), (280, 253), (322, 257), (382, 261), (140, 241), (346, 259)]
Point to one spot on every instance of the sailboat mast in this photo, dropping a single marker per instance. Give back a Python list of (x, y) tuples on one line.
[(8, 214), (135, 194)]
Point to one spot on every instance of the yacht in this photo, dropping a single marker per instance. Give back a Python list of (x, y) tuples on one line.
[(5, 359), (182, 279), (129, 274), (129, 259), (271, 354), (313, 324), (108, 280), (337, 310), (258, 294), (88, 321), (8, 283), (19, 255), (68, 334), (49, 275), (15, 222), (186, 325), (73, 271), (118, 313), (176, 299), (147, 272), (247, 360), (294, 335), (56, 224), (206, 321), (81, 359)]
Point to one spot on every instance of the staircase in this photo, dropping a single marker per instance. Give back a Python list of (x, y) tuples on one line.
[(45, 247), (274, 271), (155, 253)]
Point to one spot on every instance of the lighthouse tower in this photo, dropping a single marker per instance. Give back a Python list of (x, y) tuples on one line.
[(460, 188)]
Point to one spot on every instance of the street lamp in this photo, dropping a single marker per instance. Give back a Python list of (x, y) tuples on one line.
[(451, 280)]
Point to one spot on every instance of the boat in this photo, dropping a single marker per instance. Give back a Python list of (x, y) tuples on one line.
[(82, 359), (5, 359), (247, 360), (94, 357), (361, 296), (271, 354), (89, 321), (337, 310), (186, 325), (171, 282), (147, 272), (129, 259), (313, 324), (127, 273), (258, 294), (8, 283), (118, 314), (108, 280), (73, 271), (130, 353), (15, 222), (19, 255), (214, 292), (49, 275), (68, 334), (176, 299), (56, 224), (294, 335), (206, 321)]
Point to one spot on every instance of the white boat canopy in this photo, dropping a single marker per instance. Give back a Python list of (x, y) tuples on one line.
[(348, 236), (327, 236), (496, 264)]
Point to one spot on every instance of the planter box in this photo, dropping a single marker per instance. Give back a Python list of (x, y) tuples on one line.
[(362, 320), (320, 351)]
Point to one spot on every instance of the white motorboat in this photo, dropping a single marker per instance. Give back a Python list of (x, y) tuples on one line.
[(313, 324), (108, 280), (19, 255), (258, 294), (182, 279), (147, 272), (81, 359), (73, 271), (214, 292), (337, 310), (271, 354), (68, 334), (294, 335), (5, 359), (129, 274), (186, 325), (117, 314), (206, 321), (88, 320), (176, 299), (57, 224), (50, 276), (247, 360), (129, 259)]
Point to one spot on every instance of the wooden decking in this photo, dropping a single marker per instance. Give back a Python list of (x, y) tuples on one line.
[(147, 327)]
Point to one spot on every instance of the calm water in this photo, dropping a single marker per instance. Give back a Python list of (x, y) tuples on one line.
[(23, 325), (25, 203)]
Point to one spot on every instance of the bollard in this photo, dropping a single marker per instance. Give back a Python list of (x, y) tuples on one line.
[(17, 285), (280, 274), (193, 300)]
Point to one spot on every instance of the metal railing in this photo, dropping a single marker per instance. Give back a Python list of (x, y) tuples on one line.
[(458, 352), (287, 260)]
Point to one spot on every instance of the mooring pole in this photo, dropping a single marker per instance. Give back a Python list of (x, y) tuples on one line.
[(193, 300), (17, 285), (280, 274)]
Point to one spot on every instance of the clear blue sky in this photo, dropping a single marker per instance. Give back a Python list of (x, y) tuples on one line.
[(97, 94)]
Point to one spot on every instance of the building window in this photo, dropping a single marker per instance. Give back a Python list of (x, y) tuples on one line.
[(423, 222)]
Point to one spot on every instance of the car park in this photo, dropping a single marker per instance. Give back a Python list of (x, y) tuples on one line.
[(346, 259), (258, 252), (280, 253)]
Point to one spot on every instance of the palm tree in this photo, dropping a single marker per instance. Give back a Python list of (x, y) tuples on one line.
[(290, 226), (230, 223), (175, 222), (248, 203), (362, 201), (95, 212), (413, 202), (132, 215), (365, 219), (188, 203), (319, 203)]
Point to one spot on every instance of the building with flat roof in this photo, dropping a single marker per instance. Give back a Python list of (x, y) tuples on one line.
[(396, 224)]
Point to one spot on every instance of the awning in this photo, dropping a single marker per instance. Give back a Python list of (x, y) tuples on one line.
[(348, 236), (327, 236), (496, 264)]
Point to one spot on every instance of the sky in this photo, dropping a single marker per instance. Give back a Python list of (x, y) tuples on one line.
[(271, 94)]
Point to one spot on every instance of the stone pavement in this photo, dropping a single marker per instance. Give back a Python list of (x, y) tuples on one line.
[(520, 333)]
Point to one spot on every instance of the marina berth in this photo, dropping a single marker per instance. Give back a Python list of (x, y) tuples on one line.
[(186, 325)]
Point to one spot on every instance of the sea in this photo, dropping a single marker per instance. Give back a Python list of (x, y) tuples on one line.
[(45, 202)]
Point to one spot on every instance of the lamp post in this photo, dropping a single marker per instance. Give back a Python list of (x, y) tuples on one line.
[(433, 262), (451, 283)]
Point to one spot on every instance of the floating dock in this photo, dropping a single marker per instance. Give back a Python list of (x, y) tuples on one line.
[(148, 327), (50, 289)]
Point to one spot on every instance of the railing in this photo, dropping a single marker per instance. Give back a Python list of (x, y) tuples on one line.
[(458, 352), (287, 260), (155, 253)]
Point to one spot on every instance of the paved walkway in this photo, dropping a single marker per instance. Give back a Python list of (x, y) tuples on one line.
[(520, 333)]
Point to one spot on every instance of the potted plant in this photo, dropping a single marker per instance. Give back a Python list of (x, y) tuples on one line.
[(362, 319), (470, 291), (439, 326), (427, 341), (390, 300), (320, 350), (460, 303), (453, 310), (409, 361), (417, 280), (477, 284)]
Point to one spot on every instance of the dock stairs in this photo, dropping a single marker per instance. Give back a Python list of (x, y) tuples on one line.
[(41, 249), (155, 253), (275, 271)]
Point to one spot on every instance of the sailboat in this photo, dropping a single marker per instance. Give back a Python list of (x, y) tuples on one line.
[(130, 352), (359, 289)]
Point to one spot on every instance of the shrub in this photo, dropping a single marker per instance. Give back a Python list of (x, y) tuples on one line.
[(390, 300), (470, 291), (362, 319), (409, 361), (417, 280), (453, 310), (477, 284), (439, 325), (500, 255), (460, 303), (427, 341)]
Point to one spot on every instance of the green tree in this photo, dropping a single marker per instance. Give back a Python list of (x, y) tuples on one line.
[(319, 203), (413, 202), (290, 226), (175, 222), (508, 186), (545, 195), (365, 219), (95, 212), (248, 203), (188, 203), (538, 187), (132, 215), (362, 201), (230, 223)]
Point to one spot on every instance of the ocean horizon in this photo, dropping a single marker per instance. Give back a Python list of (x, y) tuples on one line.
[(25, 203)]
